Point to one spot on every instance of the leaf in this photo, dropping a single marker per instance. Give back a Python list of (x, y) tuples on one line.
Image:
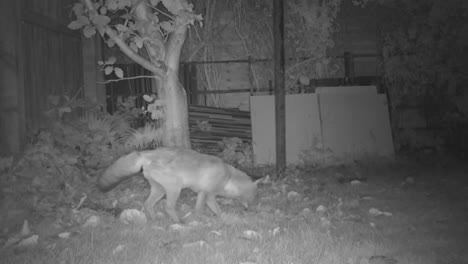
[(111, 60), (133, 47), (121, 28), (100, 62), (96, 5), (110, 43), (118, 72), (155, 2), (158, 102), (198, 17), (84, 20), (108, 70), (126, 35), (89, 31), (64, 109), (167, 26), (126, 16), (304, 80), (75, 25), (140, 25), (119, 4), (103, 10), (138, 41), (112, 5), (79, 23), (152, 107), (147, 98), (157, 114), (78, 9), (101, 31), (101, 20), (175, 6), (154, 17)]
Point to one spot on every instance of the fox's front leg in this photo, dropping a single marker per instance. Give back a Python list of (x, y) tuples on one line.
[(213, 204), (201, 197), (210, 200), (156, 193)]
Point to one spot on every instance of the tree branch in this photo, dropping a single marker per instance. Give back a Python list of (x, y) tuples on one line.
[(126, 49), (134, 56), (127, 78)]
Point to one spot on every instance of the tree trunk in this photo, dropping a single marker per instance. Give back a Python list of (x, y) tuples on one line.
[(175, 123)]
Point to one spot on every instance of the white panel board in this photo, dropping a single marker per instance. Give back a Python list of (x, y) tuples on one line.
[(356, 124), (302, 126), (262, 114), (353, 122)]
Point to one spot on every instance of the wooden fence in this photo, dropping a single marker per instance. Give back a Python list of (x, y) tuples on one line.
[(210, 125), (45, 59)]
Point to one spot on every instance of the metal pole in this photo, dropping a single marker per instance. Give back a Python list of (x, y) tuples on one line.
[(279, 85)]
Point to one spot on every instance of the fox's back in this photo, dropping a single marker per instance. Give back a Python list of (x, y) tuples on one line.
[(188, 168)]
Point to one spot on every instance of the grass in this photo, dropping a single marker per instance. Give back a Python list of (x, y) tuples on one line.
[(123, 244), (427, 224)]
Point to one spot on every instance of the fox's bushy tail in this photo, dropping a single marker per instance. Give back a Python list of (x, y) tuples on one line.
[(122, 168)]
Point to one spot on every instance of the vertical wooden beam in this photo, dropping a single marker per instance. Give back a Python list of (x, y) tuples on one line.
[(92, 77), (190, 84), (12, 129), (250, 76), (20, 76), (101, 88), (279, 83)]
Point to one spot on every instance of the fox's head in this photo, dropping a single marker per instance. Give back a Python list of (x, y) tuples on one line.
[(242, 187), (250, 194)]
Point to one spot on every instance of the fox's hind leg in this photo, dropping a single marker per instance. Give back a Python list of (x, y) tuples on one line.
[(213, 204), (156, 193)]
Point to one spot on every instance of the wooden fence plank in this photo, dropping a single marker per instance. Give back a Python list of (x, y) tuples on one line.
[(221, 123)]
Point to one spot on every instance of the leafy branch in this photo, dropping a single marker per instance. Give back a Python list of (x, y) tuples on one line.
[(136, 27)]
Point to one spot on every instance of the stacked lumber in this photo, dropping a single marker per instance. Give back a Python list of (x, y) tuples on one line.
[(210, 125)]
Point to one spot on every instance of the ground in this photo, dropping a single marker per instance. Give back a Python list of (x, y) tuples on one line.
[(397, 211)]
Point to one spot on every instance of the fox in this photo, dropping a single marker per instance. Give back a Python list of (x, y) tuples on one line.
[(169, 170)]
